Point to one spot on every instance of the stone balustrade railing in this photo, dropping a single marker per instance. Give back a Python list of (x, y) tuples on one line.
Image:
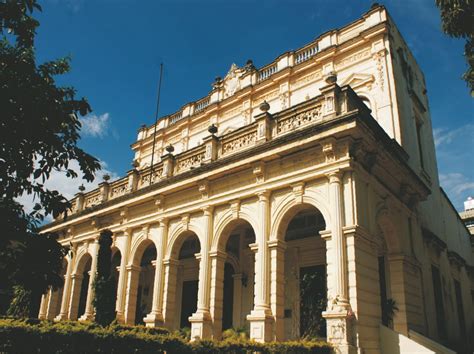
[(288, 59), (333, 102)]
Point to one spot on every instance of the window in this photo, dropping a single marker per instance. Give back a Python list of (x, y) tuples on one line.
[(419, 135)]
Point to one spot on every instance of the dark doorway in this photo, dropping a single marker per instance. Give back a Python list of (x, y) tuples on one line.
[(83, 295), (189, 301), (227, 315), (313, 301)]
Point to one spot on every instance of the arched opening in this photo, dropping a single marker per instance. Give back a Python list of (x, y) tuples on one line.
[(84, 270), (145, 283), (187, 278), (236, 289), (305, 284)]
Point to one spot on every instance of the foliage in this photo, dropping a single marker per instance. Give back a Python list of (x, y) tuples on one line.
[(388, 312), (457, 18), (313, 303), (236, 333), (104, 285), (74, 337), (39, 131)]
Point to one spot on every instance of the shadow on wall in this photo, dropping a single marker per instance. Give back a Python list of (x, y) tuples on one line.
[(392, 342)]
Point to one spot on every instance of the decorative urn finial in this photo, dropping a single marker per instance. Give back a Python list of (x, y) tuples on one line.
[(264, 106), (82, 188), (106, 177), (212, 129), (331, 78), (169, 148)]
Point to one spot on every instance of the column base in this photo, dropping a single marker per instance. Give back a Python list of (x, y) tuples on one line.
[(60, 317), (120, 317), (261, 325), (201, 325), (154, 320), (340, 330), (87, 317)]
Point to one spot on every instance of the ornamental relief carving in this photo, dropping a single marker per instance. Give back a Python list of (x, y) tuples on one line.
[(93, 200), (299, 120), (145, 179), (269, 96), (352, 59), (119, 190), (239, 143), (189, 162), (306, 79), (379, 61)]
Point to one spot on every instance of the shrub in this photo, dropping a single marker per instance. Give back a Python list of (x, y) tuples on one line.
[(33, 337)]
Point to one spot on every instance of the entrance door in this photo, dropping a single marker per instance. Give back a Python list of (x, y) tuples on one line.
[(312, 301), (189, 302)]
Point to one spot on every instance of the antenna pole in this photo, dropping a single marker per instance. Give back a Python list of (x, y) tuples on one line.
[(152, 174)]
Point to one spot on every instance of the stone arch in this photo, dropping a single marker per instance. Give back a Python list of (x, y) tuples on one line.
[(178, 236), (226, 224), (288, 210), (82, 257)]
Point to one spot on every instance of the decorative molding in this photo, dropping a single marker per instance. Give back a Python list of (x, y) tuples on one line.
[(259, 171)]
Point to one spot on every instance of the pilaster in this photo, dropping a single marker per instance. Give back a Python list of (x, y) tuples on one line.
[(89, 312), (201, 320), (63, 312), (260, 318), (155, 317), (133, 275), (122, 281), (217, 291)]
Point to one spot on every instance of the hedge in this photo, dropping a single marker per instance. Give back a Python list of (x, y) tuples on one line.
[(34, 336)]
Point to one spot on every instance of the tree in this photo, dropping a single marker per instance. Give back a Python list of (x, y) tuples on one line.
[(39, 132), (104, 285), (457, 18)]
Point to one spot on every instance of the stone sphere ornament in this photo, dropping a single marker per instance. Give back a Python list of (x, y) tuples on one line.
[(106, 177)]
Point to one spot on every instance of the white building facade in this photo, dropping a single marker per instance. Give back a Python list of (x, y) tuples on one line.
[(320, 166)]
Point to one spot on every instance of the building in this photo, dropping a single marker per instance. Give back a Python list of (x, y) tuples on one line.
[(467, 215), (318, 168)]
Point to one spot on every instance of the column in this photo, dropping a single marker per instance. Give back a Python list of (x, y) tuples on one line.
[(201, 322), (133, 276), (63, 312), (89, 312), (277, 286), (53, 303), (217, 291), (338, 314), (155, 317), (76, 281), (44, 305), (260, 318), (122, 281), (170, 269)]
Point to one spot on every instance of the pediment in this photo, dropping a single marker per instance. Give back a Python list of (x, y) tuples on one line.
[(357, 79)]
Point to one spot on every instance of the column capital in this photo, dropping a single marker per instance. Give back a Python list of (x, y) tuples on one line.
[(263, 195), (207, 210), (218, 254), (133, 268), (253, 247), (163, 221), (325, 234), (170, 262), (335, 176), (276, 244)]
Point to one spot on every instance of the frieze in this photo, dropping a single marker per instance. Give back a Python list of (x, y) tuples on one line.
[(363, 54), (306, 79), (269, 96)]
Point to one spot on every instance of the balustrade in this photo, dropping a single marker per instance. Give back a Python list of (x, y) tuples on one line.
[(266, 72), (333, 102), (306, 53)]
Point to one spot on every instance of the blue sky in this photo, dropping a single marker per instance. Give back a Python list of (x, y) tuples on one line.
[(116, 47)]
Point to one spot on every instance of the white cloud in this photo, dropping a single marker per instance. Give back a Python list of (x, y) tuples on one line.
[(66, 186), (457, 186), (96, 126), (444, 136)]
